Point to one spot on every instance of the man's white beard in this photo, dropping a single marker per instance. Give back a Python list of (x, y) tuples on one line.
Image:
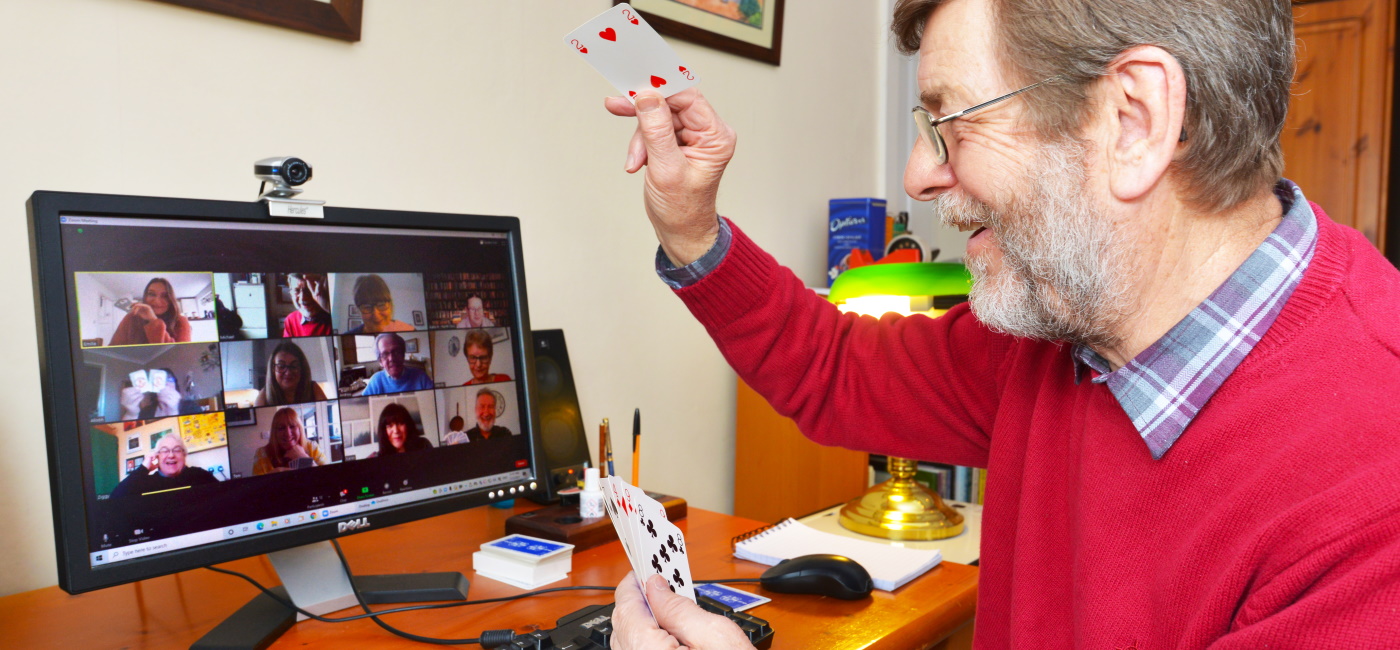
[(1063, 270)]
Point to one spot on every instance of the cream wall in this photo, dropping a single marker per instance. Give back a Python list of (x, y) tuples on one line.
[(446, 105)]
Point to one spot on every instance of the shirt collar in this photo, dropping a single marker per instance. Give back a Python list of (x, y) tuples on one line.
[(1164, 387)]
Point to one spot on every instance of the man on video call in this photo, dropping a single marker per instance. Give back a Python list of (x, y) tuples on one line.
[(396, 376), (1180, 374), (311, 296)]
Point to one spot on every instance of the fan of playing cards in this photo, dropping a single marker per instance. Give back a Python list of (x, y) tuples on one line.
[(654, 545)]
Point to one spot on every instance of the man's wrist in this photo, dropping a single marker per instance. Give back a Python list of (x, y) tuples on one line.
[(681, 276)]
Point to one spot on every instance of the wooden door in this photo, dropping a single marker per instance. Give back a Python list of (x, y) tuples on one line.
[(779, 473), (1336, 143)]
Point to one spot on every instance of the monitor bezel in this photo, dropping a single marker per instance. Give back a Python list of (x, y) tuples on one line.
[(57, 377)]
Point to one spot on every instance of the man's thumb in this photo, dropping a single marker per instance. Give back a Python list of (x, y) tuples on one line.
[(658, 131)]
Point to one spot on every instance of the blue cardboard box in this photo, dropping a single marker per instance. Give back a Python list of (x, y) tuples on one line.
[(853, 223)]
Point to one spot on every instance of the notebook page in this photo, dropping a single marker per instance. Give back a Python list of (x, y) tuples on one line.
[(890, 567)]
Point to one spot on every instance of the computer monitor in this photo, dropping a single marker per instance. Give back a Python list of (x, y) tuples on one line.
[(219, 384)]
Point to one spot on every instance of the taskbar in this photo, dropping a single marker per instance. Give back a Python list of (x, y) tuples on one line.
[(520, 478)]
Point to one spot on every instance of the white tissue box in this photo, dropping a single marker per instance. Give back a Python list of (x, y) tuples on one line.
[(524, 561)]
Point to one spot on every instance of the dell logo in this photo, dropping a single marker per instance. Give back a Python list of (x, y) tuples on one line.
[(353, 524)]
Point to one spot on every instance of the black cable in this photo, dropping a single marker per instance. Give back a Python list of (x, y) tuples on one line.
[(346, 619)]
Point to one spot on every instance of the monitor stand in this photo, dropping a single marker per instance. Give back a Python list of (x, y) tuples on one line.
[(313, 578)]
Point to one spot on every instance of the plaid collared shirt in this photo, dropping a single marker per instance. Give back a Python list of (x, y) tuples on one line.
[(1165, 386)]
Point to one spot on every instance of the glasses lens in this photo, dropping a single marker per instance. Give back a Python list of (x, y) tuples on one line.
[(287, 367), (923, 121)]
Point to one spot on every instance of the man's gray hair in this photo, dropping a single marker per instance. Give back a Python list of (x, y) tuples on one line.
[(1237, 55)]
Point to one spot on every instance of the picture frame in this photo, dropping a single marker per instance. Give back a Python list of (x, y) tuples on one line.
[(240, 417), (134, 463), (338, 19), (411, 346), (724, 25), (133, 442), (418, 320)]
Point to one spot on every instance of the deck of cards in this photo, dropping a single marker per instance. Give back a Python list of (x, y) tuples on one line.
[(524, 561), (654, 545), (621, 46)]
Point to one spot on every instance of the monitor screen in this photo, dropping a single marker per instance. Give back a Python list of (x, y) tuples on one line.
[(221, 384)]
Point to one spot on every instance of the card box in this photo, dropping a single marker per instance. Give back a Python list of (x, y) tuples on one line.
[(852, 224)]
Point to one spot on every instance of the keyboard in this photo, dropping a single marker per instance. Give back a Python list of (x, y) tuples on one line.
[(590, 628)]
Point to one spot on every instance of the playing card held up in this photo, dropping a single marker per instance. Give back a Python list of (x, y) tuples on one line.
[(622, 47)]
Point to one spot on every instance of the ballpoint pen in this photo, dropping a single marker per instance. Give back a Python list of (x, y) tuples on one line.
[(636, 447)]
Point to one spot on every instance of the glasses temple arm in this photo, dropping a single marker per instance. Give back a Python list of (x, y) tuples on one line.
[(965, 111)]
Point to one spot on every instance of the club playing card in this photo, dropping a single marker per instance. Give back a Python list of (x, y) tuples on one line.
[(666, 555), (738, 599), (621, 46), (613, 503)]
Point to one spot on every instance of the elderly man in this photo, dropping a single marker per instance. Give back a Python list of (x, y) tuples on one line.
[(164, 470), (1180, 375), (474, 314), (311, 297), (395, 376)]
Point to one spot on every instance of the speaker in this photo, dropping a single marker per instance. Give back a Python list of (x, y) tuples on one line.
[(561, 420)]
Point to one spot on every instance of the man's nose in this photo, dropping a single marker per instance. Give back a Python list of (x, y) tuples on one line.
[(924, 176)]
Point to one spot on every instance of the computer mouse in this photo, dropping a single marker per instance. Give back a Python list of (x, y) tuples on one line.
[(821, 574)]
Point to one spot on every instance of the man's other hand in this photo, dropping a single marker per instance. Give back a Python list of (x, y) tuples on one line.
[(685, 147), (679, 623)]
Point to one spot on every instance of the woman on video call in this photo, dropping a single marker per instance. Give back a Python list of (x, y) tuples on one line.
[(288, 378), (287, 447), (153, 320), (376, 305), (398, 432)]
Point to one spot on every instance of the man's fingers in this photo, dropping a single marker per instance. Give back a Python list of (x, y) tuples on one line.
[(619, 106), (636, 152), (692, 626), (658, 133)]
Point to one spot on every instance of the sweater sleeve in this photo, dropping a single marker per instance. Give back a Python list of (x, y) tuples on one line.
[(912, 387)]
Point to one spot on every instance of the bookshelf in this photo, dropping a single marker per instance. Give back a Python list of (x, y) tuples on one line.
[(447, 295)]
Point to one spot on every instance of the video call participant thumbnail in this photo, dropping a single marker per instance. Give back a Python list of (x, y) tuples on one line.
[(156, 319), (312, 298), (287, 447), (289, 378), (164, 469), (475, 314), (398, 433), (375, 303), (489, 404), (396, 376), (480, 348)]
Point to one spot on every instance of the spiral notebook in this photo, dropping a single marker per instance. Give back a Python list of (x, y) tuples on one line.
[(890, 567)]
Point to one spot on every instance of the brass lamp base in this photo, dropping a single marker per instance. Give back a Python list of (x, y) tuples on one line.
[(902, 509)]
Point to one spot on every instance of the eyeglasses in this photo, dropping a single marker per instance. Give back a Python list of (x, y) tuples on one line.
[(378, 306), (927, 124), (286, 367), (391, 352), (478, 358), (170, 452)]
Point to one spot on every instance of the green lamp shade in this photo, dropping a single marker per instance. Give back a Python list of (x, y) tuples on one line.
[(906, 279)]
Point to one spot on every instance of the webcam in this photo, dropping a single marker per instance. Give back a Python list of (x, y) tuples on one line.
[(286, 173)]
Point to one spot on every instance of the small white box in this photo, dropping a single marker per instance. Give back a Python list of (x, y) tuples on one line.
[(524, 561)]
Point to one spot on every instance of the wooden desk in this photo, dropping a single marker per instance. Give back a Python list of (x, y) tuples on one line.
[(174, 611)]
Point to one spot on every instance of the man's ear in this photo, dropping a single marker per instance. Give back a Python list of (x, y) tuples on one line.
[(1144, 109)]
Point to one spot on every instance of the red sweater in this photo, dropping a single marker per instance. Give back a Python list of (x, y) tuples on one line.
[(1274, 521)]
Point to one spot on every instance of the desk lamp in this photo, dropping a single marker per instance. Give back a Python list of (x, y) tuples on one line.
[(901, 508)]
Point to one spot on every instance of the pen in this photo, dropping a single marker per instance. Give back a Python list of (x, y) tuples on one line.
[(607, 433), (636, 447), (602, 449)]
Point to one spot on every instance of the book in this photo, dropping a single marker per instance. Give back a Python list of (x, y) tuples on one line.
[(890, 567)]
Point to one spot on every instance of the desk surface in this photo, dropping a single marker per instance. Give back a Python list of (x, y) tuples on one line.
[(174, 611)]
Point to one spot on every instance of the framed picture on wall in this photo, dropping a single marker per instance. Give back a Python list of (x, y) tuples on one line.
[(748, 28), (411, 346), (133, 442), (418, 320), (133, 463), (334, 18)]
